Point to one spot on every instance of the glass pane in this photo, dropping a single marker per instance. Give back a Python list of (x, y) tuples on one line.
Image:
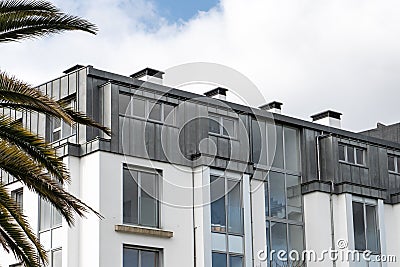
[(217, 189), (130, 257), (124, 104), (266, 198), (148, 259), (130, 197), (275, 145), (342, 155), (45, 215), (218, 241), (277, 195), (236, 261), (268, 245), (391, 163), (234, 207), (235, 244), (56, 258), (398, 165), (138, 106), (359, 228), (229, 127), (218, 260), (291, 149), (56, 135), (214, 125), (168, 113), (278, 240), (293, 195), (372, 229), (350, 154), (155, 111), (296, 243), (66, 130), (56, 123), (148, 199), (360, 156), (57, 218), (45, 239)]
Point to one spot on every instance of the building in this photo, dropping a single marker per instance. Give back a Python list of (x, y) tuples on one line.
[(197, 181)]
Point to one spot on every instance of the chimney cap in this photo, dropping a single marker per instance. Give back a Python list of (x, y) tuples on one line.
[(149, 72), (216, 91), (73, 68), (272, 105), (325, 114)]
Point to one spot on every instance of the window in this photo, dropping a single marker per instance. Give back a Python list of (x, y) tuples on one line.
[(133, 106), (140, 197), (221, 125), (365, 227), (352, 154), (226, 221), (394, 163), (50, 232), (17, 195), (283, 215), (61, 129), (136, 257)]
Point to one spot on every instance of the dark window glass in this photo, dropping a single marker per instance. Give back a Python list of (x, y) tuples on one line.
[(218, 220), (360, 156), (155, 111), (130, 197), (214, 125), (372, 229), (296, 242), (257, 143), (148, 199), (234, 207), (350, 154), (236, 261), (278, 239), (124, 104), (391, 163), (130, 257), (359, 227), (218, 260), (293, 195), (56, 135), (18, 195), (342, 152), (56, 123), (66, 130), (148, 258), (398, 165), (266, 198), (277, 195)]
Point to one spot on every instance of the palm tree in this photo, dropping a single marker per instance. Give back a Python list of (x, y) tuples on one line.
[(24, 155)]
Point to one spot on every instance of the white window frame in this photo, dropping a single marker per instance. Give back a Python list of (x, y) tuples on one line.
[(396, 165), (355, 148), (220, 120), (140, 249)]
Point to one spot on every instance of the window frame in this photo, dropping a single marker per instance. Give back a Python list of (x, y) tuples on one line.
[(158, 174), (396, 162), (366, 204), (355, 149), (148, 104), (220, 120), (16, 195), (143, 249), (72, 103)]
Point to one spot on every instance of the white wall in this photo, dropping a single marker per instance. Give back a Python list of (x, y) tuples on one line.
[(258, 221)]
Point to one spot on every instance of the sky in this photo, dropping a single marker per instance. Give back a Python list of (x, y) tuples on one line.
[(311, 55)]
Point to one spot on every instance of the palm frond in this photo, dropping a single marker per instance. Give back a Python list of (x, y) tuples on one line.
[(36, 20), (14, 211), (41, 152)]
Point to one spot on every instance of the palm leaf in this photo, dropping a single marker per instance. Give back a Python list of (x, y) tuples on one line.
[(36, 20)]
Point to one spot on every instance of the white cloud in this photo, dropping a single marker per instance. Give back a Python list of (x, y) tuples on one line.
[(311, 55)]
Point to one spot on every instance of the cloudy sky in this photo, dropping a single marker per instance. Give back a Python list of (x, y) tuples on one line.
[(312, 55)]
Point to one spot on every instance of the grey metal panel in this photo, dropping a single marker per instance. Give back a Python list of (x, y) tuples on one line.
[(55, 89), (373, 165), (64, 87), (309, 155), (383, 167), (345, 172), (355, 174), (150, 139), (72, 83)]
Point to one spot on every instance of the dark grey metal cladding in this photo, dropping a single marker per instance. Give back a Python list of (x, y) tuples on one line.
[(309, 155)]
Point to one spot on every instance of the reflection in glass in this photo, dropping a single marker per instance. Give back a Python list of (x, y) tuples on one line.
[(218, 220), (277, 195)]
